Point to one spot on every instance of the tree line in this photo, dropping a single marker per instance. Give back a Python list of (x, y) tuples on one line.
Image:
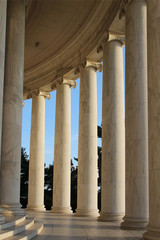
[(48, 179)]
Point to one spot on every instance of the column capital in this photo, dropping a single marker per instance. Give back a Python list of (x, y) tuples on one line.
[(64, 80), (122, 11), (108, 37), (89, 63), (39, 93)]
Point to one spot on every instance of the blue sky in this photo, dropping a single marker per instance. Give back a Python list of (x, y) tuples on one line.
[(50, 106)]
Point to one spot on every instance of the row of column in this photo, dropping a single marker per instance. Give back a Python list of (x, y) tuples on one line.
[(115, 175), (87, 187), (136, 135)]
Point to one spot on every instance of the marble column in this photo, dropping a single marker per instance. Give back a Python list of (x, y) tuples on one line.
[(136, 211), (37, 153), (3, 8), (153, 34), (62, 148), (12, 109), (87, 146), (113, 132)]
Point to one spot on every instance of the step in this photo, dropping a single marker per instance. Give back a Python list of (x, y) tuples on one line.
[(46, 233), (29, 233), (16, 229), (12, 221)]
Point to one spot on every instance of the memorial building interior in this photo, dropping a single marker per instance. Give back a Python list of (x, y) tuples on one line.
[(45, 46)]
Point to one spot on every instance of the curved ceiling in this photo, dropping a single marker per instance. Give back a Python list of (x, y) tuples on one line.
[(60, 34)]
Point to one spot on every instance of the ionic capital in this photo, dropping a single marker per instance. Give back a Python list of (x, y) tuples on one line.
[(122, 11), (89, 63), (70, 82), (39, 93), (116, 37), (64, 80), (108, 37)]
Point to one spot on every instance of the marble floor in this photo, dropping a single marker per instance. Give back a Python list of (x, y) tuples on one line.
[(62, 227)]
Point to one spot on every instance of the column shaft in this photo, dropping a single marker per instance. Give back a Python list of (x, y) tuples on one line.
[(153, 16), (87, 147), (12, 110), (3, 9), (113, 134), (37, 151), (136, 213), (62, 151)]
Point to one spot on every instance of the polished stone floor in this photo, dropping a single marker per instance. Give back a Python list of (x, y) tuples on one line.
[(62, 227)]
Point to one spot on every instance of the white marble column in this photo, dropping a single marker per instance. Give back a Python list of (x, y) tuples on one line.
[(62, 148), (153, 34), (3, 8), (37, 153), (136, 212), (87, 146), (12, 109), (113, 132)]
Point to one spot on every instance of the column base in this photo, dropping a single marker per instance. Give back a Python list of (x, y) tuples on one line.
[(110, 217), (152, 233), (86, 213), (134, 223), (12, 209), (61, 210), (35, 208)]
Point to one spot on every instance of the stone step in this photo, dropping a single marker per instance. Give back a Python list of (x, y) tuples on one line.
[(46, 233), (12, 221), (11, 231), (28, 234)]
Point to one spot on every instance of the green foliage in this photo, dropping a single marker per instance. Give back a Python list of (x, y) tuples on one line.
[(99, 153), (99, 131), (48, 179), (48, 187), (74, 170), (24, 178)]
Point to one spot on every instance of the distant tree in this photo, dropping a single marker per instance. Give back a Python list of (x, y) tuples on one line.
[(48, 187), (74, 175), (48, 192), (99, 153), (74, 170), (24, 178)]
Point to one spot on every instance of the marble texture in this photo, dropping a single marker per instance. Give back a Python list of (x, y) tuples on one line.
[(3, 8), (60, 227), (136, 212), (153, 34), (12, 109), (62, 150), (87, 145), (37, 154), (113, 134)]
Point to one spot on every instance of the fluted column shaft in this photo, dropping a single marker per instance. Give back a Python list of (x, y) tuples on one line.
[(113, 134), (153, 34), (136, 213), (87, 146), (37, 154), (12, 110), (62, 150)]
